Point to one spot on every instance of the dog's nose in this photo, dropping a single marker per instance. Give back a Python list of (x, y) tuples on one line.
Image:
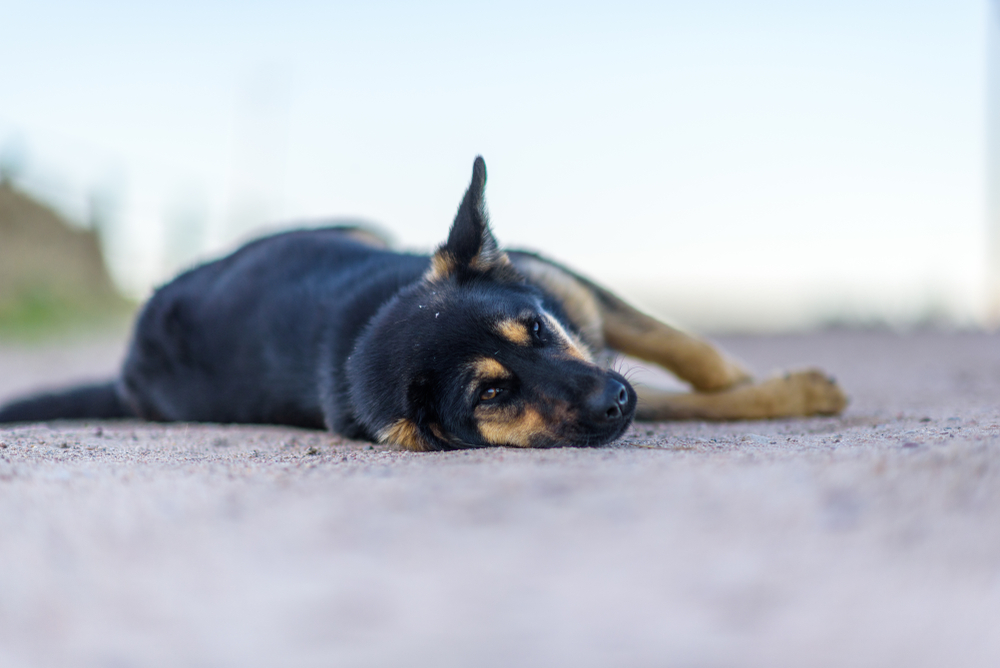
[(610, 403)]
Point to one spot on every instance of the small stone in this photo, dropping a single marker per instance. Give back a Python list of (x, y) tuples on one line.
[(312, 451), (910, 444), (925, 419)]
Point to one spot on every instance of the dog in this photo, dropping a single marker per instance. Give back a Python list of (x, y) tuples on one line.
[(469, 347)]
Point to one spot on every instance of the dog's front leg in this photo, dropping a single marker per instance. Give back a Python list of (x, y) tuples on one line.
[(795, 395), (689, 357)]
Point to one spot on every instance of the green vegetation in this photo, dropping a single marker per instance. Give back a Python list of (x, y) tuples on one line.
[(52, 276), (37, 313)]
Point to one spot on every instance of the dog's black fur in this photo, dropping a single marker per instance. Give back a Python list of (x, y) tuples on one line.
[(322, 328)]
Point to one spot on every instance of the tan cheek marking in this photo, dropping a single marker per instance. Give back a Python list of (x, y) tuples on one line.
[(520, 430), (403, 432), (515, 332), (442, 266), (574, 347)]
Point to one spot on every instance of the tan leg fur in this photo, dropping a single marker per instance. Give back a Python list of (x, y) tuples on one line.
[(724, 388), (795, 395), (690, 358)]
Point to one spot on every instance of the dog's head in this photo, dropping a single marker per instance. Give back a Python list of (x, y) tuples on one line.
[(473, 355)]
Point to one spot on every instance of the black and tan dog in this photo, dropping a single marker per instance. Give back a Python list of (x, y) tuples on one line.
[(470, 347)]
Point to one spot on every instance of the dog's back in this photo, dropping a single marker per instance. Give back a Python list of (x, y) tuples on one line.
[(241, 339)]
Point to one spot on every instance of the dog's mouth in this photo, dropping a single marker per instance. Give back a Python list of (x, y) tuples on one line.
[(604, 418), (592, 436), (574, 433)]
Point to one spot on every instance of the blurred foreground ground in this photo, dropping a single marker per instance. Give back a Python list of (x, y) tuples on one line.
[(867, 540)]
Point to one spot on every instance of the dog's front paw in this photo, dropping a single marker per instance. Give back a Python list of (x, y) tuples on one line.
[(818, 393)]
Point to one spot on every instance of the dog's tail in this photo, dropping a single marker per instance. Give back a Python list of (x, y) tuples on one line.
[(99, 401)]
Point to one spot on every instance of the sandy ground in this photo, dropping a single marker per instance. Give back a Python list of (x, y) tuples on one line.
[(867, 540)]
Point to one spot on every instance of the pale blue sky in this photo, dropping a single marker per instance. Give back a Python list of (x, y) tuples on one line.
[(716, 161)]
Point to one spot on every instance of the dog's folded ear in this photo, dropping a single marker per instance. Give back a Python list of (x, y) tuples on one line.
[(420, 429), (471, 251)]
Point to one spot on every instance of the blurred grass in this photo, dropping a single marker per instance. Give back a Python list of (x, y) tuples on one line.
[(40, 313)]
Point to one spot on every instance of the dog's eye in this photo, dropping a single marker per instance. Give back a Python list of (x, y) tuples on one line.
[(490, 393), (536, 329)]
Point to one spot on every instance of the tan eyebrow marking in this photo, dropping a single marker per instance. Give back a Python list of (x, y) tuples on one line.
[(514, 331), (574, 347), (487, 367)]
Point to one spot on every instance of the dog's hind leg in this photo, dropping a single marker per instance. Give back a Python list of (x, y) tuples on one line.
[(794, 395)]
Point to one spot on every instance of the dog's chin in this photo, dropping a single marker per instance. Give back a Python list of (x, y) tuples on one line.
[(591, 436)]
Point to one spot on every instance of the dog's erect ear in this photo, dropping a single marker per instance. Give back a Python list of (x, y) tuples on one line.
[(471, 249)]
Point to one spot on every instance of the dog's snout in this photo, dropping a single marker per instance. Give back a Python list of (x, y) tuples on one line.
[(609, 404)]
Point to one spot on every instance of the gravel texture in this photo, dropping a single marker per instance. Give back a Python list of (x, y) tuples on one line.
[(872, 539)]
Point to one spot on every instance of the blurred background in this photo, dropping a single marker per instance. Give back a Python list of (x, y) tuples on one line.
[(748, 166)]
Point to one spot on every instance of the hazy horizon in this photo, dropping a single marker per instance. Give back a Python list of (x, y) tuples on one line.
[(729, 165)]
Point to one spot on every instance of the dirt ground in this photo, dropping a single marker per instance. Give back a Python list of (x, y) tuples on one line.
[(872, 539)]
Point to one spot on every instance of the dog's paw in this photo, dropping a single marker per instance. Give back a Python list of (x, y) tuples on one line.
[(736, 374), (816, 393)]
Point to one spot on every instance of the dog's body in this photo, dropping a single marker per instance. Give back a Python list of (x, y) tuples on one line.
[(469, 347)]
